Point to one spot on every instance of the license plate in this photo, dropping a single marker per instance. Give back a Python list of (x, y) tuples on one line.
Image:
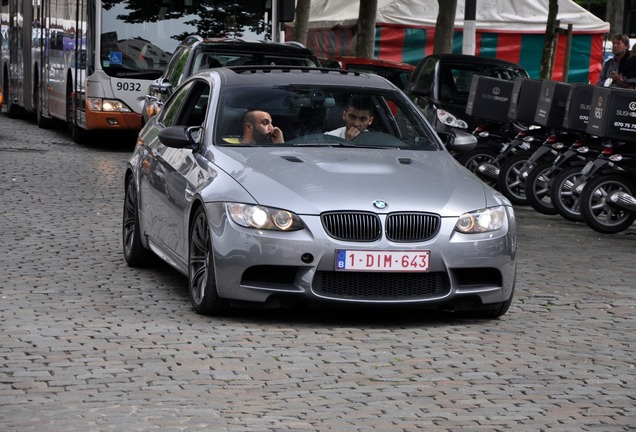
[(383, 261)]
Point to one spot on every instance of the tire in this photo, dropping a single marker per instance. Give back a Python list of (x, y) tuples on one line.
[(511, 184), (563, 199), (538, 189), (13, 111), (600, 215), (78, 134), (135, 254), (43, 122), (476, 157), (201, 276)]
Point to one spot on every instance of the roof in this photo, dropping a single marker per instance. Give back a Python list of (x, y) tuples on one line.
[(499, 15), (234, 45), (268, 75), (466, 58), (350, 60)]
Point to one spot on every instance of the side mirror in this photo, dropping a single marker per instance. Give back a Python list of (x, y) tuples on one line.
[(180, 137), (164, 86), (458, 141)]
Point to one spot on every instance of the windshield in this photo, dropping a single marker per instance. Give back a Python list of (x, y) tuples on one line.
[(311, 115), (455, 79), (138, 37)]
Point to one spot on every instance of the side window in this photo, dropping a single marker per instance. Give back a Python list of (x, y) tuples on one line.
[(426, 75), (174, 71), (168, 115), (195, 106), (188, 106)]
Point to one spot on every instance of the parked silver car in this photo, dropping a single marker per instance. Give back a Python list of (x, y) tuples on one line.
[(388, 218)]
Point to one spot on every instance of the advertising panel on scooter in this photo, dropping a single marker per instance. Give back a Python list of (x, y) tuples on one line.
[(613, 114), (489, 98), (524, 99), (551, 106), (577, 108)]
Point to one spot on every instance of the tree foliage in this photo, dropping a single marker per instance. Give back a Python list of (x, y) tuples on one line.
[(211, 18)]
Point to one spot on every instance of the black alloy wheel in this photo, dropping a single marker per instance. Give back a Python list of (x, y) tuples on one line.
[(597, 212), (511, 183), (135, 254), (565, 201), (201, 276), (538, 189)]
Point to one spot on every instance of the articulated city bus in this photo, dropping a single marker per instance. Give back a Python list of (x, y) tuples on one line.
[(89, 62)]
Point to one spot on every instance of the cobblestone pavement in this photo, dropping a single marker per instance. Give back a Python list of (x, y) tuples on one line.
[(88, 344)]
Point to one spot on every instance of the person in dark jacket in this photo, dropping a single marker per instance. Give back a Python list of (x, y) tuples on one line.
[(614, 68), (629, 74)]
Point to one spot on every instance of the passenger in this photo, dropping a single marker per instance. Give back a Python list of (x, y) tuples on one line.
[(259, 129), (357, 116)]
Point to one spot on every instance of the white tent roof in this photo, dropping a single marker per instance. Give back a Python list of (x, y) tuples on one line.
[(500, 15)]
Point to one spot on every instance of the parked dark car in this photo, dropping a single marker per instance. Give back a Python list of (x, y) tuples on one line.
[(397, 73), (196, 53), (441, 83)]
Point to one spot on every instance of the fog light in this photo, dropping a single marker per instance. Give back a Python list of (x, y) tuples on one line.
[(307, 258), (112, 121)]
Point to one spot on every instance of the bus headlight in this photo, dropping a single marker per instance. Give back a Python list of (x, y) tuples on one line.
[(107, 105)]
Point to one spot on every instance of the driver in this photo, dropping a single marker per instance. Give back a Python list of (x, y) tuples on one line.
[(358, 116)]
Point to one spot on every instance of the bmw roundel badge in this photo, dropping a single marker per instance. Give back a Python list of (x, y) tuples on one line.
[(379, 204)]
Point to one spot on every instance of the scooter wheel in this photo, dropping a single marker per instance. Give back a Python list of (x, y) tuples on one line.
[(597, 212), (538, 189), (511, 183)]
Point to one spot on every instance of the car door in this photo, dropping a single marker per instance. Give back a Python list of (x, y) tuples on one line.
[(170, 189)]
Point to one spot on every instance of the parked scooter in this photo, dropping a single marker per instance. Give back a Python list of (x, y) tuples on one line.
[(539, 180), (608, 199), (491, 137), (567, 186)]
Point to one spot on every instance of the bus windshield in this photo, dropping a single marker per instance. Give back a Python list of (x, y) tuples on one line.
[(138, 37)]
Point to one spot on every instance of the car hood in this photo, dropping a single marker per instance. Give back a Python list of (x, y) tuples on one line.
[(314, 180)]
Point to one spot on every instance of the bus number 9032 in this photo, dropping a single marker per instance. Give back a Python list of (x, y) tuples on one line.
[(128, 86)]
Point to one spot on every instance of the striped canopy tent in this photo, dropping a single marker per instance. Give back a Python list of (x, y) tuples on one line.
[(511, 30)]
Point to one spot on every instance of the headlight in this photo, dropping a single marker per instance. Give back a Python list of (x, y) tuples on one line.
[(484, 220), (107, 105), (261, 217), (450, 120)]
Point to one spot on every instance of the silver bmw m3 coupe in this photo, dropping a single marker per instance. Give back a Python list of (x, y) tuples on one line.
[(271, 186)]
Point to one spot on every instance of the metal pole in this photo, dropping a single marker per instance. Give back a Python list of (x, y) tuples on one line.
[(470, 28), (275, 24)]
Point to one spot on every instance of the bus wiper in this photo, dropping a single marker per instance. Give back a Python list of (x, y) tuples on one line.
[(138, 74)]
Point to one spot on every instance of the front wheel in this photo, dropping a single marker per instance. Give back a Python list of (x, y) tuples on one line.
[(601, 215), (511, 183), (474, 158), (538, 189), (562, 194), (135, 253), (201, 276), (78, 134)]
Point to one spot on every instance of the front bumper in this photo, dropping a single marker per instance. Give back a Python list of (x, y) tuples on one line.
[(255, 266)]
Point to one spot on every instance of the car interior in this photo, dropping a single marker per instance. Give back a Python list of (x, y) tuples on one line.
[(299, 113)]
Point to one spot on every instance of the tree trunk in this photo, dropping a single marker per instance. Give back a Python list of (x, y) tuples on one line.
[(614, 16), (365, 36), (301, 24), (445, 26), (549, 40)]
